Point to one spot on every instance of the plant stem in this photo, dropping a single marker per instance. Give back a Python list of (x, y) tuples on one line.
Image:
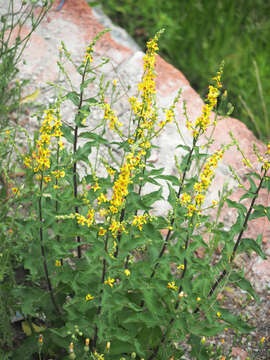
[(102, 282), (45, 266), (75, 184), (236, 245), (165, 244)]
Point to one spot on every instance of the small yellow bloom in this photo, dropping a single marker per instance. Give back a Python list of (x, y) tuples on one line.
[(87, 341), (262, 340), (96, 187), (102, 231), (89, 297), (171, 285), (40, 339), (108, 345), (218, 314), (58, 263), (198, 298), (127, 272), (109, 282), (181, 267), (114, 82), (15, 191)]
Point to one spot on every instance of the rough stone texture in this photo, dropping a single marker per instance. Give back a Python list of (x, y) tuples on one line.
[(77, 24)]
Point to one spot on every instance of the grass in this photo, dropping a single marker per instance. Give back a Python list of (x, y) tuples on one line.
[(199, 35)]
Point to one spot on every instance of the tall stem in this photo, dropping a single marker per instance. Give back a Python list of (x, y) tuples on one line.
[(165, 244), (237, 243), (102, 282), (75, 143), (45, 266)]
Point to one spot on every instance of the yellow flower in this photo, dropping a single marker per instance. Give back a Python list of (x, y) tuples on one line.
[(218, 314), (102, 231), (96, 187), (58, 263), (181, 267), (171, 285), (15, 191), (262, 340), (89, 297), (127, 272), (139, 221), (109, 282)]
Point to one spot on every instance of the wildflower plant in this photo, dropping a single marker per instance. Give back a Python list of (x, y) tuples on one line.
[(100, 278)]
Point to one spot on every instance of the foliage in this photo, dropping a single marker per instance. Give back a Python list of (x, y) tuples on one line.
[(199, 34), (97, 278)]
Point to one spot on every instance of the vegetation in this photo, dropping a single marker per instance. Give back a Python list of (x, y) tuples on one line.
[(199, 35), (88, 271)]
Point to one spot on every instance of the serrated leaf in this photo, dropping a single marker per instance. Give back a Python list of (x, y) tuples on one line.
[(185, 147), (83, 152), (89, 135), (260, 211), (173, 179), (134, 202), (151, 198), (86, 83), (91, 101), (250, 244), (243, 284), (74, 97), (235, 321), (67, 131), (236, 205)]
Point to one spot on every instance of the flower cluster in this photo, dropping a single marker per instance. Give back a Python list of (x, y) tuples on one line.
[(140, 220), (120, 188), (109, 115), (203, 121), (145, 109), (88, 56), (40, 159), (88, 220), (116, 227), (202, 185)]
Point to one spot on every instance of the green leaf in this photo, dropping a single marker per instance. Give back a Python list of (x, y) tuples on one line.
[(233, 204), (134, 202), (173, 179), (83, 152), (185, 147), (247, 244), (91, 101), (260, 211), (152, 197), (235, 321), (74, 97), (68, 134), (86, 83), (89, 135), (172, 196), (244, 284)]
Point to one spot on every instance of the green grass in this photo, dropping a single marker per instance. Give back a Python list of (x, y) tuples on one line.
[(199, 35)]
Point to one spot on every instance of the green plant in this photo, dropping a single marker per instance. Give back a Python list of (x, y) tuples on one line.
[(14, 36), (199, 35), (101, 281)]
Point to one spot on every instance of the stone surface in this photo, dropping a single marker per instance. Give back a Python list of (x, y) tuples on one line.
[(76, 25)]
